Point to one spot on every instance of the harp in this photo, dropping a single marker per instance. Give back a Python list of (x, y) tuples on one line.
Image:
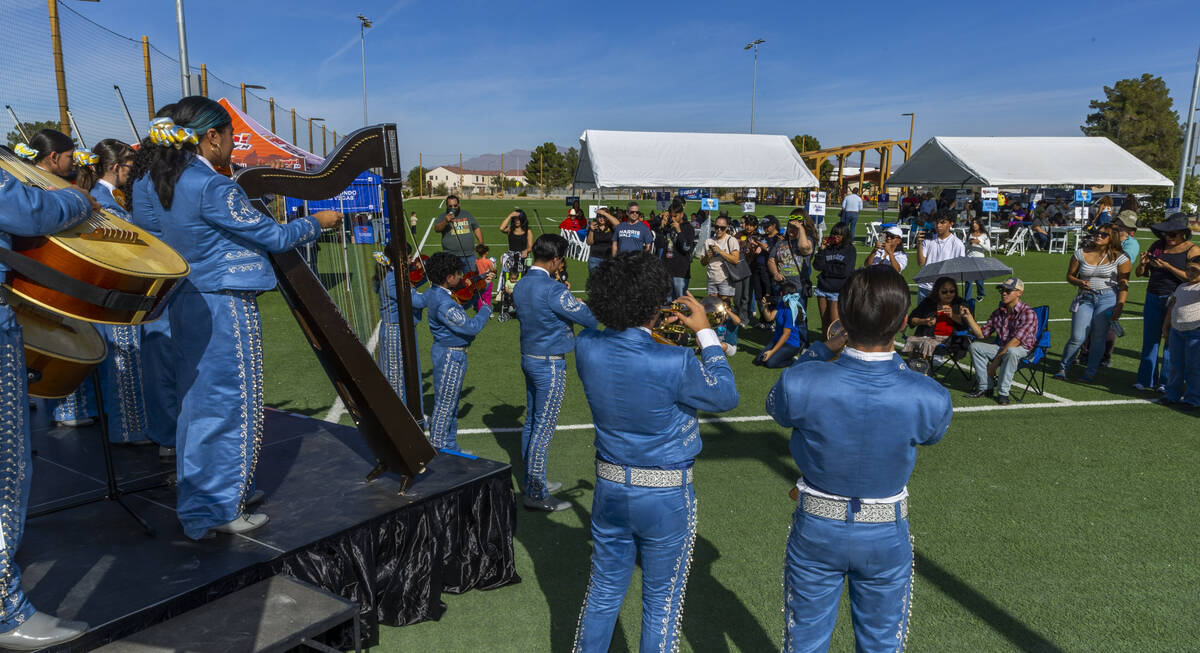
[(394, 434)]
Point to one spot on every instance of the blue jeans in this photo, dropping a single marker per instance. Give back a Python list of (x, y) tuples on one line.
[(972, 285), (1094, 313), (876, 559), (982, 353), (1151, 373), (1183, 374), (657, 524), (449, 368), (783, 357), (678, 287), (468, 263), (851, 220), (545, 383), (17, 475), (594, 263)]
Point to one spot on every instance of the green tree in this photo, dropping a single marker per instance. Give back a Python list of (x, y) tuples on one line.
[(32, 128), (547, 167), (571, 160), (1137, 114), (416, 180), (440, 189)]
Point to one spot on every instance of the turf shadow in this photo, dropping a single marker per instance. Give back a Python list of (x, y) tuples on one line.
[(715, 614), (767, 446), (1015, 631)]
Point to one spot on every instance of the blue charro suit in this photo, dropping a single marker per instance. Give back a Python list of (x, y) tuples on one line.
[(122, 387), (644, 397), (24, 211), (391, 356), (547, 310), (160, 355), (840, 528), (218, 336), (452, 333)]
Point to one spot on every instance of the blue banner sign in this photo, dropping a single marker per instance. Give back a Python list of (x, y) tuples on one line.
[(991, 206), (1083, 195), (708, 204)]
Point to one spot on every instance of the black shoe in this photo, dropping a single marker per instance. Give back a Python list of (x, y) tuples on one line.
[(1003, 400), (978, 393), (1163, 401)]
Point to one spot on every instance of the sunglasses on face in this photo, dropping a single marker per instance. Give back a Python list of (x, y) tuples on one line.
[(1104, 234), (1005, 291), (634, 212), (722, 227)]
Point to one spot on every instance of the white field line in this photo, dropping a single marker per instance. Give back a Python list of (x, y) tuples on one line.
[(339, 407), (1064, 403)]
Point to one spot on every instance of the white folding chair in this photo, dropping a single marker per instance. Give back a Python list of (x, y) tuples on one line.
[(1016, 244), (1058, 240), (874, 233)]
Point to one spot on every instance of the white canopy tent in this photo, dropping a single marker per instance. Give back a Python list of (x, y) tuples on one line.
[(624, 159), (1023, 161)]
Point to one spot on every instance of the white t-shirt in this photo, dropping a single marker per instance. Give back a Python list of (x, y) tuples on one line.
[(940, 249), (881, 258), (716, 267), (1185, 314)]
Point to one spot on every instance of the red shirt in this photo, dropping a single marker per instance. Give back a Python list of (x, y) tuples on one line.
[(573, 223), (943, 326)]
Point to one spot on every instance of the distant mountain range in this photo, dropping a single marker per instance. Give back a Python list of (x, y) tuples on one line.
[(513, 160)]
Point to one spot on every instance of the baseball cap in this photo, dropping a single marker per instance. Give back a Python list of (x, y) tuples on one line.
[(894, 231), (1011, 283), (1128, 219)]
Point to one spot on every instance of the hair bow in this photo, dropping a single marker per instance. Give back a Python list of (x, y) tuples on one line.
[(382, 259), (85, 158), (164, 132), (25, 152)]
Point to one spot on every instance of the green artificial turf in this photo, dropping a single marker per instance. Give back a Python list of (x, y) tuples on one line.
[(1069, 527)]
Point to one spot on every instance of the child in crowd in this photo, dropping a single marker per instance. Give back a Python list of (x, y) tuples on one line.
[(453, 332), (791, 328), (727, 331), (484, 265), (1182, 331)]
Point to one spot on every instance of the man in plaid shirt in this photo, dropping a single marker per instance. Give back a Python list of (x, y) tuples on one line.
[(1015, 326)]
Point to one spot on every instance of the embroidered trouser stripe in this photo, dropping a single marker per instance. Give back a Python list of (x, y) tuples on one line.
[(545, 383), (122, 388), (391, 357), (657, 524), (15, 471), (448, 370)]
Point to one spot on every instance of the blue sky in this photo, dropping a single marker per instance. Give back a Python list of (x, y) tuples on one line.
[(489, 77)]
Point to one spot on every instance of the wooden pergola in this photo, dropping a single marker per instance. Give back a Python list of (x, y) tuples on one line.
[(817, 158)]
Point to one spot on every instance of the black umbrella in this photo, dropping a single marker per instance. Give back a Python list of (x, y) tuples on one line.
[(964, 269)]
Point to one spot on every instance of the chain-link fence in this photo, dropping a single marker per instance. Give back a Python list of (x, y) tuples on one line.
[(95, 59)]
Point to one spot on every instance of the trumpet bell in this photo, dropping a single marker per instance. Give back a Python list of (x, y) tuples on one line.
[(674, 333)]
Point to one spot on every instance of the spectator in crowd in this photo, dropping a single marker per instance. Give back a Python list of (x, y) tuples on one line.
[(928, 205), (889, 250), (751, 249), (1103, 211), (1181, 330), (1130, 203), (979, 245), (630, 234), (1165, 263), (835, 262), (484, 267), (939, 245), (760, 271), (936, 319), (719, 251), (412, 222), (851, 206), (791, 328), (520, 239), (790, 258), (574, 221), (1058, 212), (1101, 272), (599, 241), (1015, 326), (1040, 229), (676, 240), (727, 331), (910, 205), (460, 233), (1123, 229)]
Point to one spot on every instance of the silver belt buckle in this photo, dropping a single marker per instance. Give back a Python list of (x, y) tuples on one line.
[(868, 513), (643, 477)]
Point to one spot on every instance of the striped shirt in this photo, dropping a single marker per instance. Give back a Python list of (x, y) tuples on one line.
[(1102, 276)]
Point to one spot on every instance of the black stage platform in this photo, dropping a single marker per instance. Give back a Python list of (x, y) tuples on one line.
[(451, 532)]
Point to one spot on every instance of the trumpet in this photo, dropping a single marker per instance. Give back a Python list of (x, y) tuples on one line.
[(674, 333)]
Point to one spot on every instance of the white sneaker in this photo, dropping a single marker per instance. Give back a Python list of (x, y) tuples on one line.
[(244, 523)]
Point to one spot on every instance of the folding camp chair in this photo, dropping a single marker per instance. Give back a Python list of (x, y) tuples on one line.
[(952, 354), (1031, 370)]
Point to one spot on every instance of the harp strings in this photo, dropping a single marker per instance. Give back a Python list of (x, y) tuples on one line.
[(38, 178)]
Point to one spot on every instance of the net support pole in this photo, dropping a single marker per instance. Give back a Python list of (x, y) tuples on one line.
[(204, 80), (60, 75), (149, 77)]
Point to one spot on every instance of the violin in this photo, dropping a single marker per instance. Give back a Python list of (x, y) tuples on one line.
[(470, 285), (416, 273)]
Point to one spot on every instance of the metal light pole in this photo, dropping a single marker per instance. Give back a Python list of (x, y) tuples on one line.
[(363, 24), (1187, 135), (246, 86), (754, 86), (184, 69)]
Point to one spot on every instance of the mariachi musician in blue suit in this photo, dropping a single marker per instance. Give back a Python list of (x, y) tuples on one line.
[(453, 332), (644, 398), (547, 310), (24, 211), (208, 219), (856, 424), (102, 171), (391, 355)]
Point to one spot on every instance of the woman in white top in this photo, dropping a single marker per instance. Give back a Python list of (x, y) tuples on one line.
[(1182, 331), (1100, 269), (978, 246)]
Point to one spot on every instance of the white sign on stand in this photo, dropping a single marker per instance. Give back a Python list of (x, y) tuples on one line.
[(747, 207), (592, 211), (989, 193), (1080, 213), (752, 192), (816, 196), (816, 208)]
